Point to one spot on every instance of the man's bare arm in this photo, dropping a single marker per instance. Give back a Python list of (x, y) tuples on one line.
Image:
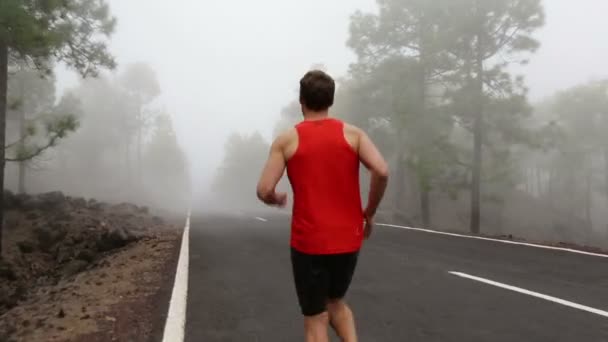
[(375, 163), (271, 175)]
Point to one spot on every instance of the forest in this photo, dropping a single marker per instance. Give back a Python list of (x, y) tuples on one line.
[(107, 138)]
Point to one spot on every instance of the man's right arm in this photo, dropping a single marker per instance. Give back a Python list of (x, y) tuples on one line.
[(375, 163)]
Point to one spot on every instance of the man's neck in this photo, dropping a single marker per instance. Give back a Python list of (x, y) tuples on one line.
[(312, 116)]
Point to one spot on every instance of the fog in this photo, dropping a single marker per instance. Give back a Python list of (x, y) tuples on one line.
[(232, 67)]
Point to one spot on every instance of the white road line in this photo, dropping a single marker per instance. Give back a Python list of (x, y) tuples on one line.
[(534, 294), (176, 318), (261, 219), (497, 240)]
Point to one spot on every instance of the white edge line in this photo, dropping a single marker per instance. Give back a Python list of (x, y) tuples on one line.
[(176, 317), (261, 219), (534, 294), (497, 240)]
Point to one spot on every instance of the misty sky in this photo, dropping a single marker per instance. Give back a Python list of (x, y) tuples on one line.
[(228, 65)]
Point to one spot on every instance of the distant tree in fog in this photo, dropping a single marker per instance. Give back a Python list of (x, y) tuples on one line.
[(140, 82), (402, 58), (38, 124), (289, 117), (167, 179), (430, 84), (487, 37), (577, 168), (72, 31), (237, 176)]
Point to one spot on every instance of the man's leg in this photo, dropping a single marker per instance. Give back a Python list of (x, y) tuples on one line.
[(342, 268), (311, 277), (316, 327), (342, 320)]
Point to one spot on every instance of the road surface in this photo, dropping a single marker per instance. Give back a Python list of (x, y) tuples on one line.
[(240, 287)]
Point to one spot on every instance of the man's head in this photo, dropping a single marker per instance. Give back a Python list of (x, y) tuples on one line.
[(317, 91)]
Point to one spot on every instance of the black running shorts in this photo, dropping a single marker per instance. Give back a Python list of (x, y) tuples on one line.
[(319, 278)]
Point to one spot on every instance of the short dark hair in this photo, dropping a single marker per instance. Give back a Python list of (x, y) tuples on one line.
[(317, 90)]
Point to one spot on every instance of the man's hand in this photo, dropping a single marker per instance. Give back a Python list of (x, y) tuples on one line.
[(369, 225), (272, 173)]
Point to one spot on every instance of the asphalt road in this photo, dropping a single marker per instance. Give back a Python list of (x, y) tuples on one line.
[(241, 288)]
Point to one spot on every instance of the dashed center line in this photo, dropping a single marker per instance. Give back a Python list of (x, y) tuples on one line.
[(261, 219), (533, 294)]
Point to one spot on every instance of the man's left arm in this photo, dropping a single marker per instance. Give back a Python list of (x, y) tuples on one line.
[(271, 175)]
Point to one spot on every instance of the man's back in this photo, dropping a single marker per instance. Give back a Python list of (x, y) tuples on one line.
[(323, 168)]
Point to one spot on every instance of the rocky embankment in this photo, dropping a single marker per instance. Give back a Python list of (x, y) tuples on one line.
[(82, 270)]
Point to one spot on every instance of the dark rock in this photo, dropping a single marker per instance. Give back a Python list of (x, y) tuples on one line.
[(7, 332), (44, 236), (6, 271), (115, 238), (73, 267), (94, 205), (79, 203), (11, 221), (52, 200), (40, 322), (10, 200), (77, 238), (62, 215), (25, 246), (26, 323), (61, 313), (20, 291), (32, 216), (85, 255), (63, 255), (126, 208), (28, 202), (85, 317)]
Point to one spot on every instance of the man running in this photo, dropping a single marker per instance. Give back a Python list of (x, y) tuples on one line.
[(322, 156)]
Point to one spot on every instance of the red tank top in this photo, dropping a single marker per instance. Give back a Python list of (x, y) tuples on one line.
[(324, 175)]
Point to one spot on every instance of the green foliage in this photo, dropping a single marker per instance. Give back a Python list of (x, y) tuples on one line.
[(432, 75), (44, 124), (53, 128), (72, 31)]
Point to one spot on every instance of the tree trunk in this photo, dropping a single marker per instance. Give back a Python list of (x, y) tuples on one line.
[(400, 183), (139, 148), (21, 184), (127, 167), (606, 172), (424, 179), (22, 133), (477, 138), (588, 199), (3, 91), (425, 206), (539, 181)]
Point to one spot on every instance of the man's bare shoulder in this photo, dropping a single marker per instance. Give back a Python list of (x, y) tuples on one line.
[(286, 143), (352, 129), (286, 137)]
